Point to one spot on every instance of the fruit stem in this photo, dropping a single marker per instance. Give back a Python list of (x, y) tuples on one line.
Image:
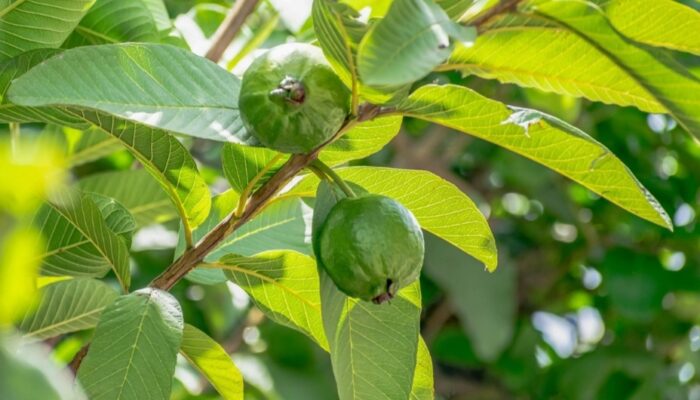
[(328, 171)]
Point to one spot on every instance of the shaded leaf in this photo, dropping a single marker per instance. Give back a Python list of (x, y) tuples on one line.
[(542, 138), (136, 190), (485, 303), (284, 284), (67, 306), (134, 351), (154, 85), (113, 22), (412, 39), (79, 242), (212, 361), (28, 25)]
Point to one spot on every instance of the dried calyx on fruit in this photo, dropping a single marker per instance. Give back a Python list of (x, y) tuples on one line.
[(291, 100)]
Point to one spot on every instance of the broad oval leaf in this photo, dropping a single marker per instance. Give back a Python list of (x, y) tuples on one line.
[(532, 52), (154, 85), (242, 164), (668, 81), (542, 138), (134, 351), (79, 242), (412, 39), (212, 361), (166, 159), (136, 190), (485, 303), (111, 21), (373, 347), (662, 23), (67, 306), (363, 140), (284, 284), (28, 25), (439, 206), (13, 68)]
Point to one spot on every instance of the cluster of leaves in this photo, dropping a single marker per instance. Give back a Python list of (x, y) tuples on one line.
[(65, 73)]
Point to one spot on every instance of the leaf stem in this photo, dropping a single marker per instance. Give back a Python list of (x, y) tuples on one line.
[(14, 136), (328, 171)]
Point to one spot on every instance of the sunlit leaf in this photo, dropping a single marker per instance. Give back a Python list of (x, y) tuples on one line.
[(241, 164), (213, 362), (28, 25), (67, 306), (361, 141), (154, 85), (439, 206), (542, 138), (662, 23), (423, 387), (284, 284), (134, 350), (18, 271)]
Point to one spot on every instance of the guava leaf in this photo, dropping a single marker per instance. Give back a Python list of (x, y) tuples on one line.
[(213, 362), (542, 138), (154, 85), (29, 25), (110, 21), (134, 350), (67, 306)]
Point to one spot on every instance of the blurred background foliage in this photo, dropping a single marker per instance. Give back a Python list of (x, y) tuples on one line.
[(588, 302)]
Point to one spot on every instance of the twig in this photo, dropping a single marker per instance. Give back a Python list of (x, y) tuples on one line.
[(500, 8), (230, 27), (78, 359), (189, 260)]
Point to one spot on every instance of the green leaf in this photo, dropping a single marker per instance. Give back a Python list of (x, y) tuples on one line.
[(439, 206), (423, 387), (27, 25), (89, 145), (373, 347), (136, 190), (455, 8), (154, 85), (166, 159), (159, 14), (116, 216), (361, 141), (67, 306), (241, 164), (12, 69), (113, 22), (542, 138), (212, 361), (485, 303), (669, 82), (661, 23), (281, 226), (134, 351), (284, 284), (412, 39), (79, 242), (533, 52)]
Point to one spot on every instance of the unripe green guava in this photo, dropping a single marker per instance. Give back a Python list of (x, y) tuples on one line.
[(371, 246), (291, 100)]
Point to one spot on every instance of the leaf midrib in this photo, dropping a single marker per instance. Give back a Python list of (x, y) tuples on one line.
[(11, 7), (63, 322)]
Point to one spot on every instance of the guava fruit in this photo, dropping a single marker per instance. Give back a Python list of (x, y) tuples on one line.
[(291, 100), (371, 246)]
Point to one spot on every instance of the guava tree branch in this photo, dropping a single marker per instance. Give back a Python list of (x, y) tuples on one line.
[(230, 27)]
